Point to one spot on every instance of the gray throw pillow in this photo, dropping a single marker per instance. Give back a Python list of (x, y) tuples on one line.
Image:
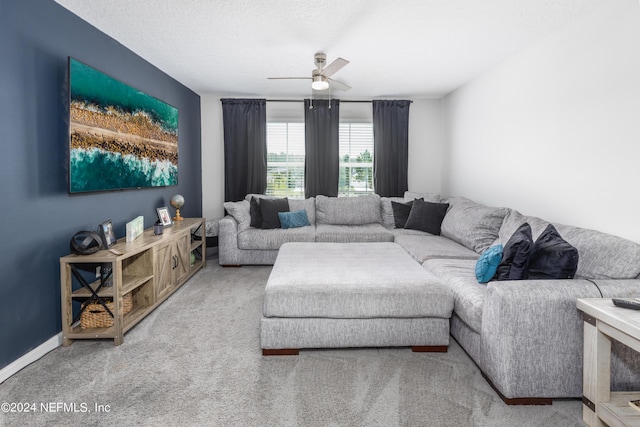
[(240, 212), (472, 224)]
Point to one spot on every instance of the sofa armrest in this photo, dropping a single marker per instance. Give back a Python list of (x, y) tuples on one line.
[(532, 338), (619, 288), (228, 241)]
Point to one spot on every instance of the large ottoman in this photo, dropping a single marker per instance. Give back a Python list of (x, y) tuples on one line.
[(328, 295)]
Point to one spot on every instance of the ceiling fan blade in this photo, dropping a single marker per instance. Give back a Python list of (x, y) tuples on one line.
[(289, 78), (334, 67), (335, 84)]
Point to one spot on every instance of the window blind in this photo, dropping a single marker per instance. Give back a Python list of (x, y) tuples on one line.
[(356, 159), (285, 159)]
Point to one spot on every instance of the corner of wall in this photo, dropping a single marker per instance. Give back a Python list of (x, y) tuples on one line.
[(212, 157)]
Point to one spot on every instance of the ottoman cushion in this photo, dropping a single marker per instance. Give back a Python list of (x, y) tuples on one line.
[(354, 280)]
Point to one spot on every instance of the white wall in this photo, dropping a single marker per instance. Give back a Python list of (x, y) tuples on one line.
[(212, 157), (555, 131), (425, 144)]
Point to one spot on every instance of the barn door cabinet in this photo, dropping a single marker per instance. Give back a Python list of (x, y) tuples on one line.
[(150, 269), (173, 265)]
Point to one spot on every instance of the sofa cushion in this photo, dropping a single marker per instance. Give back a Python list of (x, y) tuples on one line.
[(269, 209), (488, 262), (352, 233), (602, 256), (386, 211), (472, 224), (468, 295), (408, 232), (256, 238), (426, 216), (293, 219), (240, 212), (309, 205), (513, 220), (424, 247), (427, 197), (516, 254), (348, 210), (552, 257)]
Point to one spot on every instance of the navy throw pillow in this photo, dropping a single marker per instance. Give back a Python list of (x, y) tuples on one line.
[(254, 211), (552, 257), (269, 209), (515, 255), (401, 212), (426, 216), (487, 264), (293, 219)]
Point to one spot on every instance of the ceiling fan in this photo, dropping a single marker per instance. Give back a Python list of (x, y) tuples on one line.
[(321, 75)]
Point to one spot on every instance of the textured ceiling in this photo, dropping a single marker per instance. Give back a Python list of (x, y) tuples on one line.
[(404, 48)]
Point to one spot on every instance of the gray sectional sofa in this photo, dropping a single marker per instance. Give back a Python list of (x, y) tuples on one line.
[(526, 335)]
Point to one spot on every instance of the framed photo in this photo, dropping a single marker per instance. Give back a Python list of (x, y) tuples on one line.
[(105, 230), (164, 217)]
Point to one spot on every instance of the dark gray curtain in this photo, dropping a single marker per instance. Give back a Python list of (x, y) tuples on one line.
[(391, 147), (245, 147), (322, 156)]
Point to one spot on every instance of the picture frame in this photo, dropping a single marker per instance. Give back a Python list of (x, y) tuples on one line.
[(105, 230), (164, 217), (134, 229)]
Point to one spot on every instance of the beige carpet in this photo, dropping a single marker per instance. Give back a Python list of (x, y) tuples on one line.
[(196, 361)]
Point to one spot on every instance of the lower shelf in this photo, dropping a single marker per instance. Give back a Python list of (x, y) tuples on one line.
[(130, 320), (134, 316), (617, 412)]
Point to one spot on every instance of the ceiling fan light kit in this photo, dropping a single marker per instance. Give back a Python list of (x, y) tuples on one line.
[(319, 82)]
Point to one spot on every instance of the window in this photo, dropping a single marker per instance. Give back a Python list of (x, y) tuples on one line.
[(356, 159), (285, 159)]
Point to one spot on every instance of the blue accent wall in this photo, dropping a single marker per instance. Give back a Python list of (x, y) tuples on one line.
[(37, 214)]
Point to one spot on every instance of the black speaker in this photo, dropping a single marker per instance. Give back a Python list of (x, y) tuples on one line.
[(86, 243)]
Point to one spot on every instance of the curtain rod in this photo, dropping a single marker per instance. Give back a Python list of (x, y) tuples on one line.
[(302, 100)]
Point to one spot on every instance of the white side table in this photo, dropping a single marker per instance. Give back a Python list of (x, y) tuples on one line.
[(604, 322)]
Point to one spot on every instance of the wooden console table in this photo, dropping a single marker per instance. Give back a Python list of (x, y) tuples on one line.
[(604, 322), (151, 268)]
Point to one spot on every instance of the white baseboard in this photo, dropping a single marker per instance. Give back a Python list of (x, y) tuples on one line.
[(35, 354)]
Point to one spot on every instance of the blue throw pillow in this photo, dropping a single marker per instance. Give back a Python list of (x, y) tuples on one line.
[(488, 263), (293, 219)]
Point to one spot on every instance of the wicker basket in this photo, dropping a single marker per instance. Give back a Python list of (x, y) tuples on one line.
[(95, 316)]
